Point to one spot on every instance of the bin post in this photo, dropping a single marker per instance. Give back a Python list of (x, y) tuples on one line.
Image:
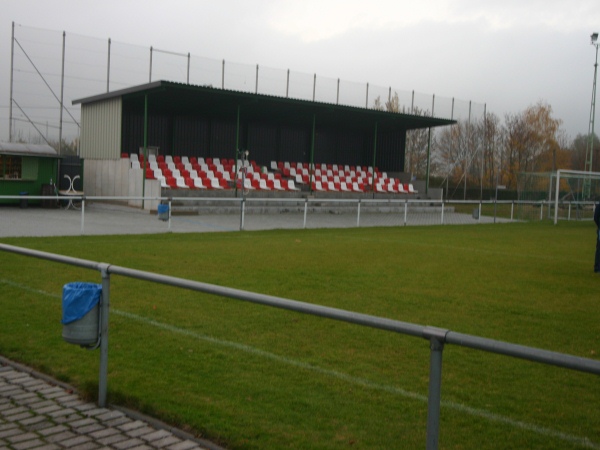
[(436, 337), (104, 308)]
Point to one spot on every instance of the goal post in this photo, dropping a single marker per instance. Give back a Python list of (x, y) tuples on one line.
[(583, 187)]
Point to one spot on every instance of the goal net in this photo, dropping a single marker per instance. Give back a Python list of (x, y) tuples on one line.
[(560, 195)]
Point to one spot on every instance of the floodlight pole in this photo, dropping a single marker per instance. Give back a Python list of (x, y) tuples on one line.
[(590, 147)]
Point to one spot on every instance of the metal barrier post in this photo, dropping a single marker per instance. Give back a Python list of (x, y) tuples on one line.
[(104, 311), (358, 215), (405, 211), (170, 206), (436, 338), (242, 214), (305, 210), (82, 213), (442, 212)]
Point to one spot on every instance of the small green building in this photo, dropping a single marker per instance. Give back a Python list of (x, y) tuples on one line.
[(26, 168)]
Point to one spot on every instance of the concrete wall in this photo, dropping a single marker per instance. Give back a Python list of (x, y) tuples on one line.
[(151, 188), (106, 177)]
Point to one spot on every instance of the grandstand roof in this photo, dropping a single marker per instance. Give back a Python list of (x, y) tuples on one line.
[(179, 98)]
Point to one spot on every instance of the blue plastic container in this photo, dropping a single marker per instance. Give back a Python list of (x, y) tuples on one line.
[(81, 313), (163, 212)]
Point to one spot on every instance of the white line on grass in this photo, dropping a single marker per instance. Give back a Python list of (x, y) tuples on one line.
[(581, 441)]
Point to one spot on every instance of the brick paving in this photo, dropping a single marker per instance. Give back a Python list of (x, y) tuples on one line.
[(37, 414)]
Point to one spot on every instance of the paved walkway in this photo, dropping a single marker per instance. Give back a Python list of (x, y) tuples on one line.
[(107, 219), (41, 414)]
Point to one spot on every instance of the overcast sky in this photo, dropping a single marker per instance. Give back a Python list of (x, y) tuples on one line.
[(508, 54)]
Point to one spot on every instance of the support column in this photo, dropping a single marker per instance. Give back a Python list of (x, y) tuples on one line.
[(62, 91), (312, 152), (12, 68)]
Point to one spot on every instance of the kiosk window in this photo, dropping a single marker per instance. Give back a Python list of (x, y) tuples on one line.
[(11, 167)]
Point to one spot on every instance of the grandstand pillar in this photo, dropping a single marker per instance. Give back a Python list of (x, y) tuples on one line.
[(145, 147), (374, 156), (237, 149), (312, 152), (428, 162)]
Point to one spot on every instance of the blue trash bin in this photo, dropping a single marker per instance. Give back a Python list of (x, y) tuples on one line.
[(24, 202), (163, 212), (81, 313)]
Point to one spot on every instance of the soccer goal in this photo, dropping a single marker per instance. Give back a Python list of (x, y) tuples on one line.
[(575, 194)]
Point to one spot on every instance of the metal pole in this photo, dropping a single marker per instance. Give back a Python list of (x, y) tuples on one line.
[(590, 151), (12, 68), (305, 211), (223, 75), (108, 68), (256, 83), (436, 344), (62, 91), (374, 155), (483, 148), (82, 214), (367, 99), (556, 197), (287, 85), (358, 215), (466, 169), (170, 206), (314, 86), (145, 148), (428, 161), (405, 211), (242, 214), (188, 69), (150, 71), (337, 99), (104, 311), (312, 152), (237, 146)]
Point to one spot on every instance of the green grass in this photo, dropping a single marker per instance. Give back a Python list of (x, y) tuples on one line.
[(252, 377)]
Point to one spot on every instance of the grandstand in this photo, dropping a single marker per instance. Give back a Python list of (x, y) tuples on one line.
[(160, 137), (184, 172)]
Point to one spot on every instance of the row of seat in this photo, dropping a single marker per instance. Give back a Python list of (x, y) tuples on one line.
[(342, 178), (181, 172)]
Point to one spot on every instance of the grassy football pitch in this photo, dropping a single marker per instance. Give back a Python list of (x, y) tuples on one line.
[(250, 377)]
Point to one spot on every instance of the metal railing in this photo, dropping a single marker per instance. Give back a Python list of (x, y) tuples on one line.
[(437, 337), (196, 214)]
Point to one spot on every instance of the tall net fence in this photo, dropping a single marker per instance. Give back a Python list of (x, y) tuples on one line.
[(53, 68)]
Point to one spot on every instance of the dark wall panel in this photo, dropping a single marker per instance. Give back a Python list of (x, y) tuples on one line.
[(190, 136), (222, 139), (294, 143), (262, 142), (390, 151)]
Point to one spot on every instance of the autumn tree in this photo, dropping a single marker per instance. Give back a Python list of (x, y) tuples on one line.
[(534, 143)]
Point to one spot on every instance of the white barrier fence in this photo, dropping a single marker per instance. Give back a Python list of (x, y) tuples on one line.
[(111, 215)]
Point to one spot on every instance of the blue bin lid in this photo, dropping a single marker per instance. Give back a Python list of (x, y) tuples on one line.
[(78, 299)]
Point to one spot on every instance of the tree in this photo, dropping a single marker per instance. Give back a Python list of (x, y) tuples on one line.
[(534, 143)]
